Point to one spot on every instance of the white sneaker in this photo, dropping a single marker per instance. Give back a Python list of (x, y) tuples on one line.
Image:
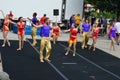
[(3, 45), (73, 54), (9, 44), (66, 53)]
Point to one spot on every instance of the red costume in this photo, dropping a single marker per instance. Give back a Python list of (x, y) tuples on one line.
[(5, 27), (73, 35), (21, 27), (56, 31), (95, 33)]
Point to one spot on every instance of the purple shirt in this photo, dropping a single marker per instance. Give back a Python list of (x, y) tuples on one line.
[(86, 27), (45, 31), (34, 20)]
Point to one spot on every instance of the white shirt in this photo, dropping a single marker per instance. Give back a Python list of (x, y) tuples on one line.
[(117, 25)]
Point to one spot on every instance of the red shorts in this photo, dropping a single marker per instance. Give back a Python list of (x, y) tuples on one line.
[(72, 40), (95, 36), (56, 34), (21, 33), (5, 29)]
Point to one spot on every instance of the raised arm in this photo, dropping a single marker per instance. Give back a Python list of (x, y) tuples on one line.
[(29, 20), (2, 13)]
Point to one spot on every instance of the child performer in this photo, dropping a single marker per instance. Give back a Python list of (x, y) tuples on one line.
[(21, 32), (112, 35), (7, 21), (73, 38), (55, 32), (95, 31)]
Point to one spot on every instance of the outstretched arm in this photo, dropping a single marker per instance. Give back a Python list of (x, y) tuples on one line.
[(37, 26), (66, 30), (2, 13), (12, 22)]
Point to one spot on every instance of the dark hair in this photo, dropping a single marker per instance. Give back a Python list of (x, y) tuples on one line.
[(35, 14), (46, 19), (19, 18), (78, 14), (44, 14), (75, 25)]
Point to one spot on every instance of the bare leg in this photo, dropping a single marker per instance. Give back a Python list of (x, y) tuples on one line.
[(74, 46), (94, 43), (5, 38), (22, 41), (54, 38), (112, 44), (19, 37), (68, 49)]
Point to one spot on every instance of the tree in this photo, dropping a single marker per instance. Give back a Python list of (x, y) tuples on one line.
[(106, 5)]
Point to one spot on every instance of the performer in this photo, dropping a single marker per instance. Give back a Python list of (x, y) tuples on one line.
[(73, 38), (95, 31), (55, 32), (45, 40), (42, 18), (33, 31), (7, 21), (21, 32), (112, 35), (86, 31)]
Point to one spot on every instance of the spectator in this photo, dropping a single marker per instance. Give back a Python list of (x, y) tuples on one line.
[(100, 21), (72, 20), (93, 19), (78, 21), (117, 25), (105, 26)]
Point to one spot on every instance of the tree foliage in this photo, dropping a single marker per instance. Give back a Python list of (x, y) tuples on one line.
[(106, 5)]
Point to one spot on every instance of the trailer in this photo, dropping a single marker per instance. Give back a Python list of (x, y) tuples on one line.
[(26, 8)]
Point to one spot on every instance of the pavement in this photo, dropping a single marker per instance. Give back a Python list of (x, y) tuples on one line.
[(102, 43)]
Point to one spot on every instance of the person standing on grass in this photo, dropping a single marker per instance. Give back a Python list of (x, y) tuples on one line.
[(86, 31), (112, 35), (21, 32), (45, 39), (73, 39), (6, 23)]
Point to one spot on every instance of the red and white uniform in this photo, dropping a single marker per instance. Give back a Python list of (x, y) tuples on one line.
[(21, 28)]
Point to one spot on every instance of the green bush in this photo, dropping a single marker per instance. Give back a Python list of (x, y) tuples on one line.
[(104, 14)]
